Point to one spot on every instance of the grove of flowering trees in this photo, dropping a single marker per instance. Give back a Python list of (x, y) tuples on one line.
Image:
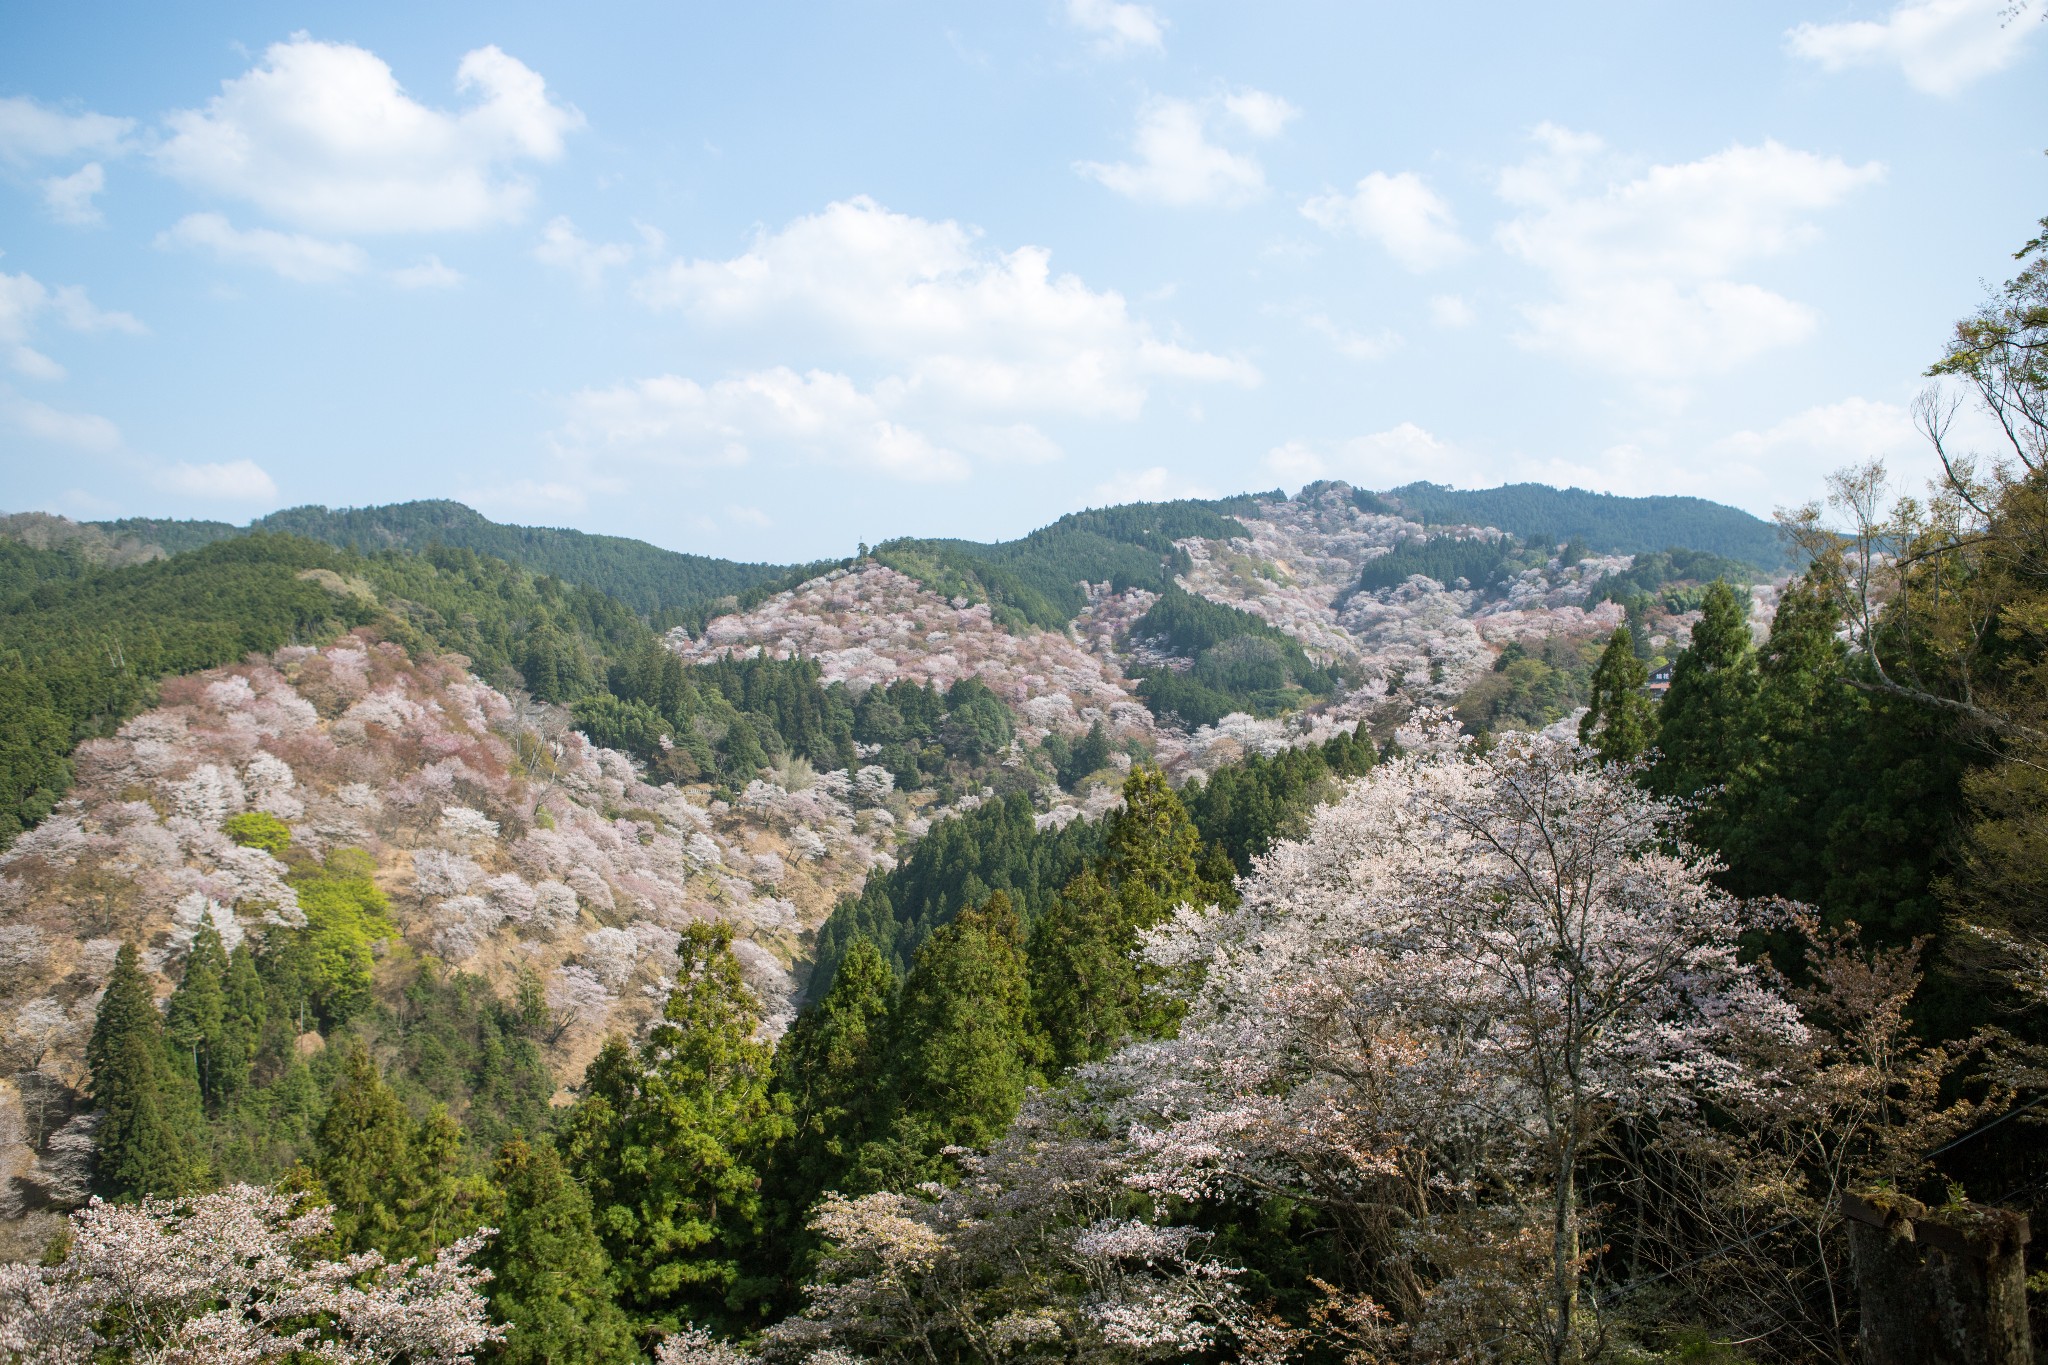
[(232, 1279)]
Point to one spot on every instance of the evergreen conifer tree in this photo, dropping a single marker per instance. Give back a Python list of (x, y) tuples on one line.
[(363, 1146), (1620, 723), (549, 1271), (670, 1143), (964, 1051), (243, 1015), (148, 1140), (1701, 727), (198, 1008)]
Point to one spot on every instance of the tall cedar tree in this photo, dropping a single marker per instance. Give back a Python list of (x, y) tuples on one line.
[(548, 1270), (1620, 723), (962, 1047), (829, 1070), (198, 1013), (670, 1141), (1089, 992), (364, 1148), (1700, 728), (149, 1136)]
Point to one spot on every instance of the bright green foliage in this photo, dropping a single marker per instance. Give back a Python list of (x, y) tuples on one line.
[(962, 1047), (146, 1139), (1701, 726), (549, 1272), (1620, 723), (670, 1141), (325, 967), (198, 1013), (259, 829)]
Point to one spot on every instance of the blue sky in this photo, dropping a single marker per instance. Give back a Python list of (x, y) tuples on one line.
[(768, 280)]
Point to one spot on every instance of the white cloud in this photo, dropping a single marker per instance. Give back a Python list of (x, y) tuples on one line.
[(1156, 484), (751, 516), (1355, 345), (1940, 46), (960, 328), (1407, 218), (69, 198), (1448, 310), (295, 256), (428, 274), (1259, 113), (78, 430), (25, 301), (34, 132), (1118, 28), (232, 481), (1642, 267), (675, 421), (922, 352), (562, 247), (1176, 163), (320, 135)]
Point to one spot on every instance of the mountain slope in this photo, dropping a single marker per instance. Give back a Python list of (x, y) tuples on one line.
[(1608, 524), (650, 580)]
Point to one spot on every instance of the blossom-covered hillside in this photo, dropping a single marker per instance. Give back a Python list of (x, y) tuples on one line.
[(504, 844)]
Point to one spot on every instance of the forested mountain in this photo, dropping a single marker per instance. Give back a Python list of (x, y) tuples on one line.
[(1606, 522), (650, 580), (1036, 580), (1452, 996)]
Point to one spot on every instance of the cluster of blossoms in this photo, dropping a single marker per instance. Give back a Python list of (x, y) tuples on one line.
[(871, 626), (226, 1278), (505, 841)]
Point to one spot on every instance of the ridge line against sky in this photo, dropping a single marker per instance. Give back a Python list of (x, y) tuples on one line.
[(765, 289)]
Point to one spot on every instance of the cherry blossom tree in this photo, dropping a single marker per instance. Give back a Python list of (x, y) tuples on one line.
[(1427, 1016), (228, 1278)]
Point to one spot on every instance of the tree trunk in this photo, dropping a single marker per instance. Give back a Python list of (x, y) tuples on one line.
[(1939, 1286)]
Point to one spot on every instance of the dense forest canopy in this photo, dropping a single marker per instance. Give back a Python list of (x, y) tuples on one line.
[(650, 580), (1606, 522)]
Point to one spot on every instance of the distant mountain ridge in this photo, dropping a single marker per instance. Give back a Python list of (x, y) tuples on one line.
[(652, 581), (1606, 522)]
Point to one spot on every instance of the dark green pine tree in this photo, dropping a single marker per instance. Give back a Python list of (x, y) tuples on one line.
[(1620, 724), (829, 1067), (1084, 987), (244, 1012), (363, 1155), (148, 1139), (670, 1143), (1702, 726), (1089, 992), (549, 1274), (963, 1048), (198, 1009)]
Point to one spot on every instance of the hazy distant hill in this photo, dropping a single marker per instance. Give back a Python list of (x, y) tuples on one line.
[(1607, 523), (645, 577)]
